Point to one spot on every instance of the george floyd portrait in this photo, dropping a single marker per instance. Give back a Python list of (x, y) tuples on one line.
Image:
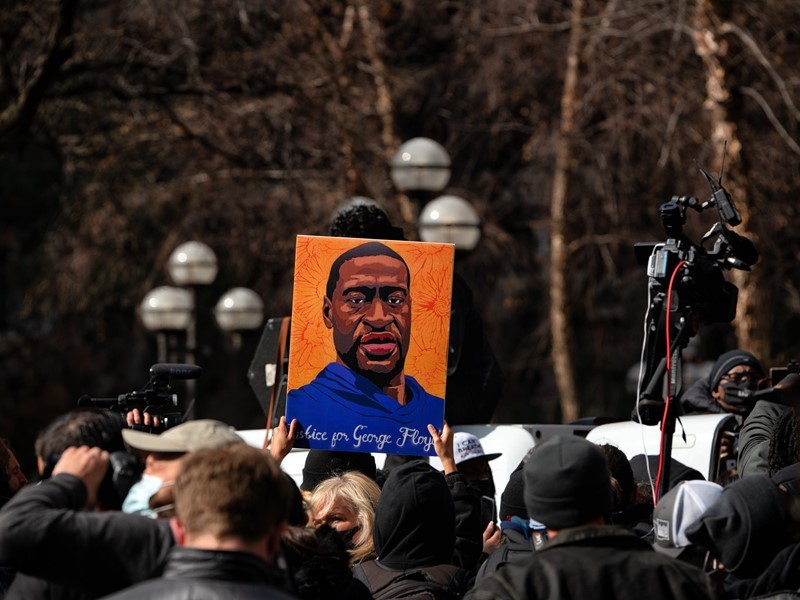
[(368, 349)]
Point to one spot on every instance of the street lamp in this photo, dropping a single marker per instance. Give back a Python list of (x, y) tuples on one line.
[(450, 219), (192, 263), (238, 309), (167, 308), (420, 164)]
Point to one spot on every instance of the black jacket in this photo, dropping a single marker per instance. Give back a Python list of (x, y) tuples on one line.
[(698, 399), (47, 536), (782, 575), (516, 547), (210, 574), (596, 562), (468, 533), (414, 519)]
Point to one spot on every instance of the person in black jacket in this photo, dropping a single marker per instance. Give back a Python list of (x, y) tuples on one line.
[(414, 535), (63, 551), (231, 508), (52, 534), (568, 489), (729, 387)]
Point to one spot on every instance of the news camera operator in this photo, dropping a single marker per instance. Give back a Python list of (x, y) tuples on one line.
[(52, 533), (729, 387), (44, 534), (56, 535)]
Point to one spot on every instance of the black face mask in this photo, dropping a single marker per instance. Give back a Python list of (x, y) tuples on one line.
[(348, 536), (484, 487), (740, 394)]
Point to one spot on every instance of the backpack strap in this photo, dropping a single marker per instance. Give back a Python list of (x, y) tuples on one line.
[(377, 578)]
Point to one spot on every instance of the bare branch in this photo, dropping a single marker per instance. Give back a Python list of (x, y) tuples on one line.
[(772, 118), (751, 44), (20, 113)]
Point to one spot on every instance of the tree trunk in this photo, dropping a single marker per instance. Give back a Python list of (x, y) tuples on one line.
[(559, 253), (749, 334), (383, 104)]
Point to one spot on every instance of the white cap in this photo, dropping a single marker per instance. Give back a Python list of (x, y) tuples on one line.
[(678, 509), (468, 446)]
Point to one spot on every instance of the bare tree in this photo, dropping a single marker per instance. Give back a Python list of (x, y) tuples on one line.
[(559, 252)]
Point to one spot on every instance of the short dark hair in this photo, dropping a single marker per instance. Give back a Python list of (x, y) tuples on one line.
[(94, 427), (367, 249)]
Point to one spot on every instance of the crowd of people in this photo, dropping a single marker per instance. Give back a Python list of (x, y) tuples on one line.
[(195, 512), (127, 509)]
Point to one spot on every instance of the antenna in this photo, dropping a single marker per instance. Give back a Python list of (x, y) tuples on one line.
[(722, 165)]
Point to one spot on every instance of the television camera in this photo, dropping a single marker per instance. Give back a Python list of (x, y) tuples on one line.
[(156, 397), (686, 288)]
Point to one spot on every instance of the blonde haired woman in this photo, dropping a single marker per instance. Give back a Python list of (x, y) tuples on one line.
[(346, 502)]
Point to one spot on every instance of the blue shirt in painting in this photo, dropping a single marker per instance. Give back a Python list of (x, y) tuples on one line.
[(343, 410)]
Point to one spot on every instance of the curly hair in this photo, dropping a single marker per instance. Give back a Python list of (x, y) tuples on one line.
[(784, 449)]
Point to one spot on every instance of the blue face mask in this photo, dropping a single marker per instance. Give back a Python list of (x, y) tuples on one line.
[(138, 499)]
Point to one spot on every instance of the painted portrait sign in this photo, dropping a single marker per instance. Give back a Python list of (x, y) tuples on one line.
[(368, 348)]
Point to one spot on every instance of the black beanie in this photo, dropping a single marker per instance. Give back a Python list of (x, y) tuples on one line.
[(567, 483), (727, 361), (321, 464), (512, 500), (745, 528)]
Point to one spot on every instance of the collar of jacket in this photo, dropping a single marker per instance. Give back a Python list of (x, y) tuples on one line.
[(195, 563), (595, 535)]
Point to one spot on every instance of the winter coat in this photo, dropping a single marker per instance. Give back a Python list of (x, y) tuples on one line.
[(211, 575), (414, 519), (596, 562), (55, 545)]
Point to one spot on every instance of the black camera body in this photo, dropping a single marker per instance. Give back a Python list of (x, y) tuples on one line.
[(687, 287), (157, 396)]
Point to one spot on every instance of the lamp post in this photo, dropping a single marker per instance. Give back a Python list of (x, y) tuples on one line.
[(191, 265), (166, 308), (421, 168), (420, 165), (238, 309), (450, 219), (169, 308)]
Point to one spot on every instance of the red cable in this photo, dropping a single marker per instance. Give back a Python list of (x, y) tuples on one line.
[(667, 401)]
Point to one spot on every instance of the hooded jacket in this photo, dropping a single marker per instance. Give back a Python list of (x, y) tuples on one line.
[(745, 528), (415, 525), (414, 518)]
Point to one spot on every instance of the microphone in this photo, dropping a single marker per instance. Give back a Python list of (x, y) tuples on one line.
[(742, 248), (176, 370)]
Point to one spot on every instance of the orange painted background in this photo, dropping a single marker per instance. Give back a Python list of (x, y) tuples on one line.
[(431, 266)]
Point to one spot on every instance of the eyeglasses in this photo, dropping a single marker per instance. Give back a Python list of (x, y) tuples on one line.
[(739, 377)]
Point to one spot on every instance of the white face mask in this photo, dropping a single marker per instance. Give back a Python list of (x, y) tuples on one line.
[(138, 499)]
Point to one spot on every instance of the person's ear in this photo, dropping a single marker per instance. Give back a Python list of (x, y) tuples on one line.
[(326, 312), (177, 530)]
